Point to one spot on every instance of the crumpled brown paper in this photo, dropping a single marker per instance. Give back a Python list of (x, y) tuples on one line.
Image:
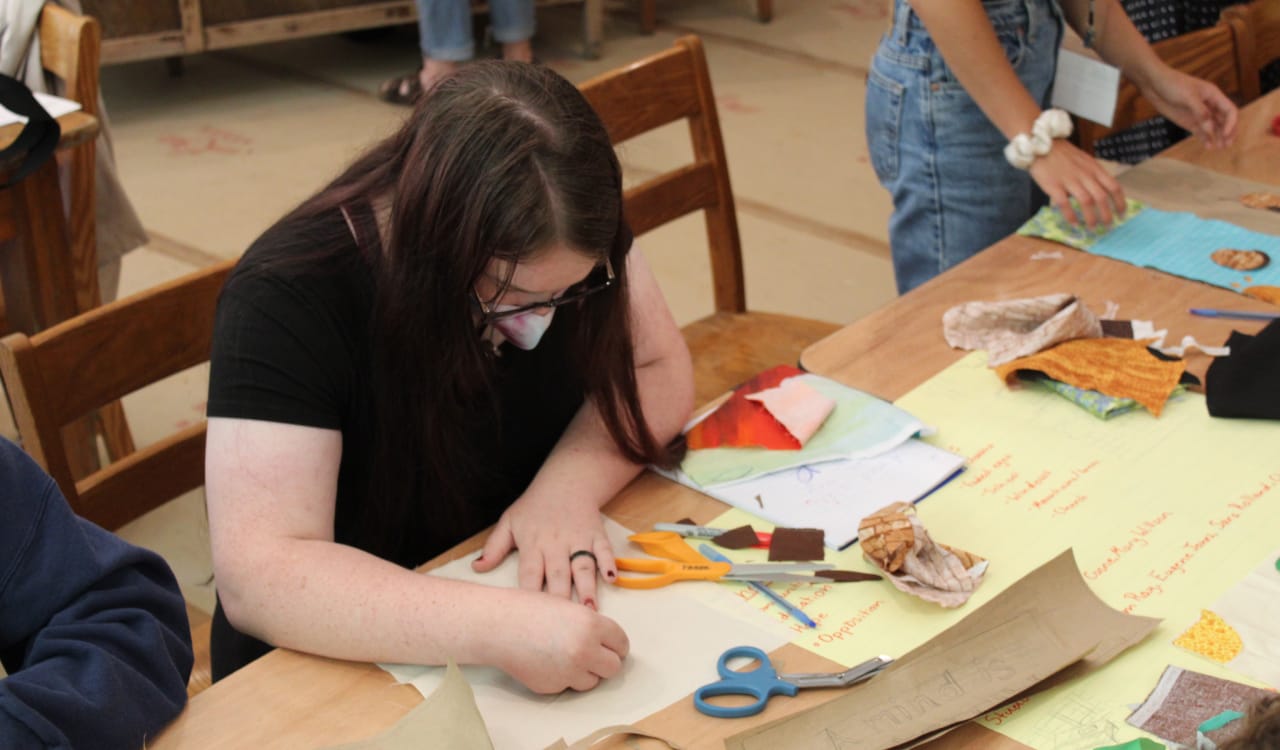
[(894, 540), (1015, 328)]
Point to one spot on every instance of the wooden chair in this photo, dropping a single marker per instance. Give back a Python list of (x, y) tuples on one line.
[(1262, 19), (732, 344), (649, 13), (60, 374), (59, 264), (1217, 54)]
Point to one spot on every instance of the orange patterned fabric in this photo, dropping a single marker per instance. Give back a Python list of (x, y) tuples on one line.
[(1122, 368), (743, 423), (1265, 293)]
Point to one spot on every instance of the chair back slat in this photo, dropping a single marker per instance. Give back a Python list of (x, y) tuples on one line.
[(143, 480), (658, 90), (60, 374), (112, 351)]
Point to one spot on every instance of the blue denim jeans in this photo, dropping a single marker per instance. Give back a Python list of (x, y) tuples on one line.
[(937, 153), (444, 26)]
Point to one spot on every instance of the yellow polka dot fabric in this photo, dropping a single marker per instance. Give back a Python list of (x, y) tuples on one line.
[(1212, 638)]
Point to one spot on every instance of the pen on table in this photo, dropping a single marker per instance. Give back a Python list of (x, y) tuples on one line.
[(777, 598), (1209, 312)]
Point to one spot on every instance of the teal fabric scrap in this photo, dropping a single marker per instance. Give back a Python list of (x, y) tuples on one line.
[(1098, 404), (1219, 721), (1181, 243)]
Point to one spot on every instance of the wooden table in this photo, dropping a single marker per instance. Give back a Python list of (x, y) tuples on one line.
[(291, 700)]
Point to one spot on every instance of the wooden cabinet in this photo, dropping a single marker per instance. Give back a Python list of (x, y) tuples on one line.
[(146, 29)]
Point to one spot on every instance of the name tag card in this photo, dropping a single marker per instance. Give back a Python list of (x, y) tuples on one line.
[(1086, 86)]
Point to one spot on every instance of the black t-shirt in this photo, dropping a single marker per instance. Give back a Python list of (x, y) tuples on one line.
[(292, 344)]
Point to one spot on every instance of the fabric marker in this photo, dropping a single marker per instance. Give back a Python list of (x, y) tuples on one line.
[(777, 598), (1208, 312)]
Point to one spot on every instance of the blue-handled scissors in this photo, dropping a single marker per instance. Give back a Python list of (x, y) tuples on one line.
[(763, 682)]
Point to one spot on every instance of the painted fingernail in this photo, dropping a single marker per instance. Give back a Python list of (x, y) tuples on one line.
[(591, 603), (610, 575)]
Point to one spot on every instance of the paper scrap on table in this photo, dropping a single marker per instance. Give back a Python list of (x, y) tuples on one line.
[(860, 426), (1241, 631), (835, 495), (447, 719), (775, 410), (56, 106), (1037, 628), (894, 539), (1008, 329), (1182, 701), (1181, 244), (666, 663)]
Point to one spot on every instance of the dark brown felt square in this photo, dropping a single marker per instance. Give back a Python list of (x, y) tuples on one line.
[(739, 538), (796, 544)]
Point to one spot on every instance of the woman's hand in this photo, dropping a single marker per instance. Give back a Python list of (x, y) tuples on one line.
[(547, 531), (551, 645), (1193, 104), (1066, 172)]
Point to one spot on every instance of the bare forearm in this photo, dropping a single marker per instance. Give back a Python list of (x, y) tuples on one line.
[(1116, 39), (964, 35), (337, 601), (586, 458)]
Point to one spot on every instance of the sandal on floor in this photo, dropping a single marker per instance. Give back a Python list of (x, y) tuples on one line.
[(403, 90)]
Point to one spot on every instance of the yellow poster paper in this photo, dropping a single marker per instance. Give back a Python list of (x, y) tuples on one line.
[(1164, 515)]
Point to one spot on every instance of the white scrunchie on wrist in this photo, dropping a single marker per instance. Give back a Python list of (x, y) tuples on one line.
[(1023, 149)]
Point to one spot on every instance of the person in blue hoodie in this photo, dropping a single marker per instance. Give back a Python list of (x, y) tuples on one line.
[(93, 631)]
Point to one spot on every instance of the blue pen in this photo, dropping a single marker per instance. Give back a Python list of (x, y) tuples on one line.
[(778, 599), (1209, 312)]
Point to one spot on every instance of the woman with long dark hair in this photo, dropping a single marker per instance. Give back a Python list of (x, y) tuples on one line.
[(453, 333)]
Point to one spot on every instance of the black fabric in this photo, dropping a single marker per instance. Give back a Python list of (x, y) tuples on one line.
[(292, 345), (1247, 383), (93, 631), (38, 139)]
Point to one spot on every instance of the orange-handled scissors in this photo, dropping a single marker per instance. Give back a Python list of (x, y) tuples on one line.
[(677, 561)]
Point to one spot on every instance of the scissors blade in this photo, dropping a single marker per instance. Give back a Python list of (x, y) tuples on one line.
[(791, 567), (851, 676), (775, 577)]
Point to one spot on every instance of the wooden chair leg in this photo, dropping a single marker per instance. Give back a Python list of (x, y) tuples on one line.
[(648, 15), (764, 10), (114, 429), (592, 28)]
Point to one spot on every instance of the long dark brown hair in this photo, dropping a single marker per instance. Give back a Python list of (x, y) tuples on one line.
[(500, 160)]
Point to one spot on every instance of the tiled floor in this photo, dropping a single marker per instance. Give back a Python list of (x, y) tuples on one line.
[(211, 158)]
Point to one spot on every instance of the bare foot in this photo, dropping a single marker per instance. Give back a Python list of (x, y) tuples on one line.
[(518, 51), (435, 70)]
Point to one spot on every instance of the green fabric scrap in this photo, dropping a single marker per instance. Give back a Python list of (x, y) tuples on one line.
[(1049, 224), (1219, 721), (1142, 743), (1098, 404)]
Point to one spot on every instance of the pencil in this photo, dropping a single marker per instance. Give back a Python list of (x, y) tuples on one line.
[(1208, 312), (777, 598)]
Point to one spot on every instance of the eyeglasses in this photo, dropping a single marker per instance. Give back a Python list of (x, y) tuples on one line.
[(597, 281)]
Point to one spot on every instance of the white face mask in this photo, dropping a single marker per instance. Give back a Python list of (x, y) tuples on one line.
[(525, 330)]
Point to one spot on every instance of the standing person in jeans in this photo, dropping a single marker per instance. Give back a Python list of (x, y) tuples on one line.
[(958, 130), (444, 33)]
